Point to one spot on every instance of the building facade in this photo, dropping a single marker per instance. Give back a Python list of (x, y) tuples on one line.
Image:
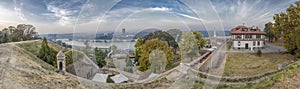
[(247, 38)]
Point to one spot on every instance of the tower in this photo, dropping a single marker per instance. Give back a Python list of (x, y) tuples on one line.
[(123, 31), (215, 34), (61, 61)]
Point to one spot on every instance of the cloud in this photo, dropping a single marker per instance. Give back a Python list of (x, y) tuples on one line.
[(159, 9), (191, 17), (200, 14), (65, 13)]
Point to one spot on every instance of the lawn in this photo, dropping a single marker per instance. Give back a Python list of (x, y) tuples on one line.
[(248, 64)]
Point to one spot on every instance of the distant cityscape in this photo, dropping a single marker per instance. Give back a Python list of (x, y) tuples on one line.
[(123, 35)]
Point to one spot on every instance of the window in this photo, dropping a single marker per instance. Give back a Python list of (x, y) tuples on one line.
[(258, 36), (248, 36), (239, 43), (258, 43), (238, 36), (254, 42)]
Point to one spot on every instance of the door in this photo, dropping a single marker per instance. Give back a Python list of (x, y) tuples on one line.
[(246, 46), (60, 65)]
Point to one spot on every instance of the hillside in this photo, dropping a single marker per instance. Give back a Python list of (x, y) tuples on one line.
[(19, 69)]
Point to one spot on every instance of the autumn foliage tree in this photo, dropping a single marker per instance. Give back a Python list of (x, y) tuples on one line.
[(287, 27), (199, 39), (148, 47)]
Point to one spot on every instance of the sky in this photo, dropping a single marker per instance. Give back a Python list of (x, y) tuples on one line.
[(100, 16)]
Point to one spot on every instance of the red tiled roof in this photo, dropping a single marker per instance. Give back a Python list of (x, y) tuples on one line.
[(246, 30)]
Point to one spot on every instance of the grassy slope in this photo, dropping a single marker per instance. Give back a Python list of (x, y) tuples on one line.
[(34, 47), (26, 72), (245, 64)]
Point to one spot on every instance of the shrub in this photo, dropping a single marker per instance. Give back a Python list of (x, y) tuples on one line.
[(259, 53)]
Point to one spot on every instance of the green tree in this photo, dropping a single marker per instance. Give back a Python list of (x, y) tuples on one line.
[(259, 53), (161, 35), (100, 57), (148, 47), (72, 56), (87, 47), (268, 29), (158, 61), (21, 33), (16, 35), (137, 48), (175, 33), (188, 46), (47, 53), (113, 48), (4, 37)]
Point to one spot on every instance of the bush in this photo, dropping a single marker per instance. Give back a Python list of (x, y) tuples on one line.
[(259, 53), (128, 69)]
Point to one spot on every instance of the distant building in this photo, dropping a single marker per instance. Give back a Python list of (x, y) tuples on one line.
[(247, 38), (123, 31)]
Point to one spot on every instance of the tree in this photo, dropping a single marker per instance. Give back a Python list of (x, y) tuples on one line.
[(175, 33), (72, 56), (100, 56), (158, 61), (268, 29), (87, 47), (113, 48), (199, 39), (137, 48), (286, 27), (16, 35), (188, 46), (148, 47), (21, 33), (47, 53), (28, 31), (4, 37), (161, 35), (259, 53)]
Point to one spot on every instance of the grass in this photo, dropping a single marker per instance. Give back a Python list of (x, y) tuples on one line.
[(281, 79), (248, 64), (228, 45), (34, 47)]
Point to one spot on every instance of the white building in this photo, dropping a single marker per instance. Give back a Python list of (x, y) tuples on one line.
[(247, 38)]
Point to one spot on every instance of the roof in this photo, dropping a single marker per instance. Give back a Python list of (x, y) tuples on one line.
[(60, 54), (119, 78), (100, 77), (247, 30)]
